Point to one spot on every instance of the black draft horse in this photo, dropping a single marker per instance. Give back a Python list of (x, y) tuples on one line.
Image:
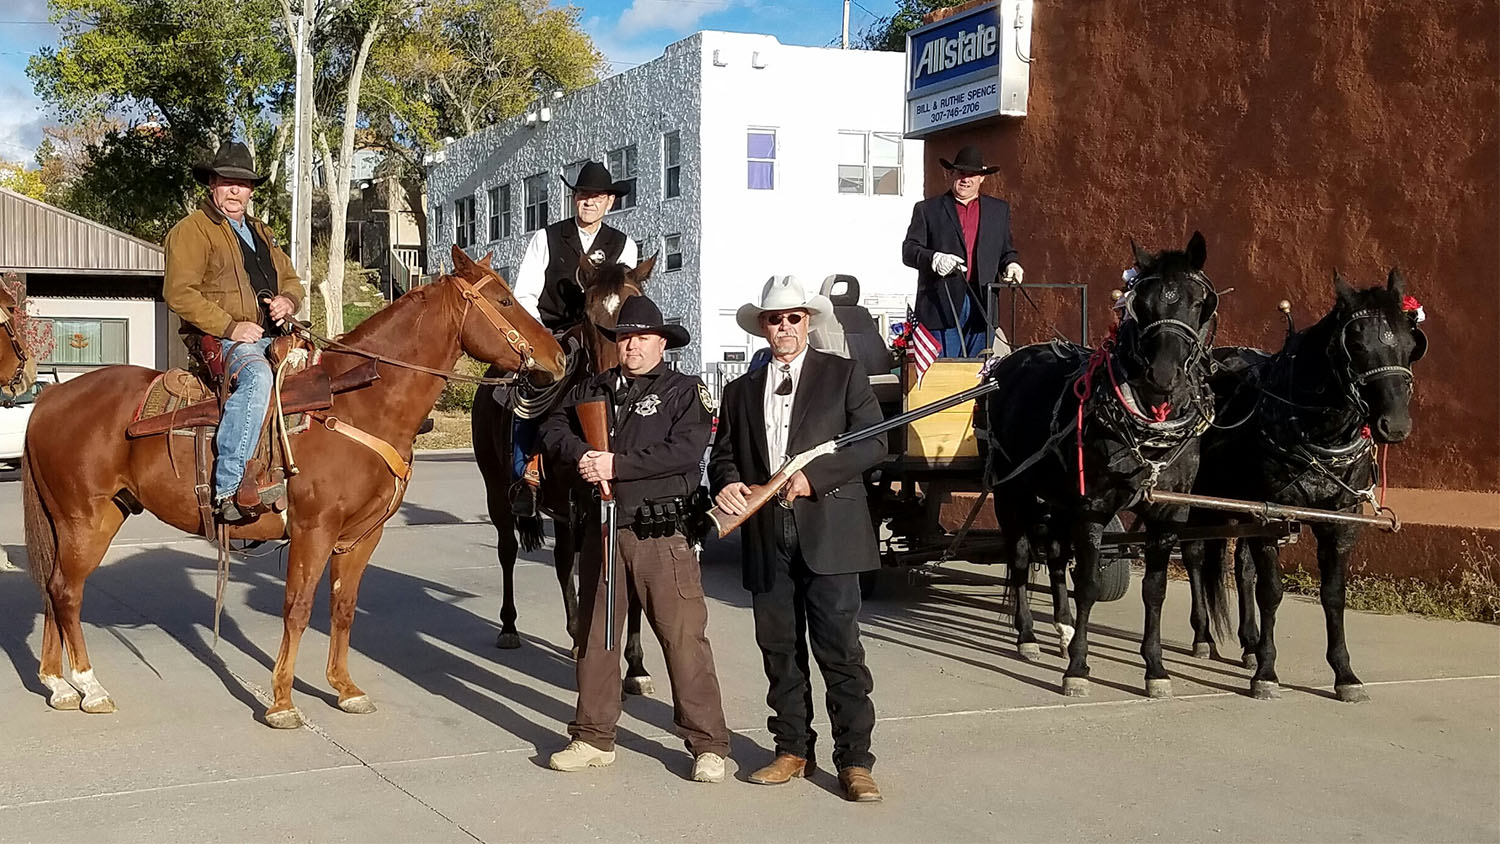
[(1076, 437), (1301, 427), (563, 496)]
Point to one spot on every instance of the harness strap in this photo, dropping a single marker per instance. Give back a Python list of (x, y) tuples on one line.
[(393, 461)]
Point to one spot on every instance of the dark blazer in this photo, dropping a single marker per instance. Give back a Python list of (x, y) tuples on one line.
[(934, 228), (833, 526)]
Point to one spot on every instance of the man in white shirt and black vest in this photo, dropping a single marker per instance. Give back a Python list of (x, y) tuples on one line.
[(547, 286)]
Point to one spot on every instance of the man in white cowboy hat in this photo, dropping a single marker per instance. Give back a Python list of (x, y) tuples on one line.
[(660, 421), (801, 560), (229, 282), (959, 243), (546, 285)]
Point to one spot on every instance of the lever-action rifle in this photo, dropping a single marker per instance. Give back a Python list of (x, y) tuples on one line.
[(593, 418), (761, 495)]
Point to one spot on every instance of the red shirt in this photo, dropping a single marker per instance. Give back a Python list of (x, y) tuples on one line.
[(968, 220)]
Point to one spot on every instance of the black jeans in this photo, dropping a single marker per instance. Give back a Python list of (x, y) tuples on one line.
[(821, 609)]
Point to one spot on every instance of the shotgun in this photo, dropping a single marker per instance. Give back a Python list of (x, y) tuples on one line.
[(593, 418), (761, 495)]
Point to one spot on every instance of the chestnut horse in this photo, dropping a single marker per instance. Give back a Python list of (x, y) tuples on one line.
[(562, 492), (14, 377), (80, 475)]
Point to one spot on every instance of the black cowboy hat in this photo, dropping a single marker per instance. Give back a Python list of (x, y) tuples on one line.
[(232, 161), (640, 315), (968, 160), (595, 178)]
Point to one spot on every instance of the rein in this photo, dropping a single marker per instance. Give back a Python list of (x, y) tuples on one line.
[(471, 296)]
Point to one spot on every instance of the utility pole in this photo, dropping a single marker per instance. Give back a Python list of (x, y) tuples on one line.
[(302, 154), (846, 24)]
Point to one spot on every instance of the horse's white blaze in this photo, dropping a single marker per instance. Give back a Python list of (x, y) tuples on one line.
[(612, 303), (85, 682)]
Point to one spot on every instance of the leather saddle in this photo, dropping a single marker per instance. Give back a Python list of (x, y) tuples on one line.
[(311, 389)]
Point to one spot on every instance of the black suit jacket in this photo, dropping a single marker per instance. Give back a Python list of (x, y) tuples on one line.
[(833, 526), (934, 228)]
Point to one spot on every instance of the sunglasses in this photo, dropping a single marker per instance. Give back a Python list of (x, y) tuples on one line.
[(777, 319)]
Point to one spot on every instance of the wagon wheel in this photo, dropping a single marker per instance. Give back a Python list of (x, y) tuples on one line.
[(1113, 576)]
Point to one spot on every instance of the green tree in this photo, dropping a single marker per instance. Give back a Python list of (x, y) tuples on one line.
[(889, 33), (18, 178), (203, 70)]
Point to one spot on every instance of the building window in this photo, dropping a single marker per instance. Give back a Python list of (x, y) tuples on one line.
[(760, 150), (437, 212), (571, 171), (463, 222), (672, 244), (674, 356), (536, 202), (870, 163), (499, 212), (622, 167), (89, 342), (671, 162)]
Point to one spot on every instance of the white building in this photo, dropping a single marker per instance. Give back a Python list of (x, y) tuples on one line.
[(750, 158)]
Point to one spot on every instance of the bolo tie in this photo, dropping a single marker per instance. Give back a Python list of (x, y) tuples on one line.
[(784, 389)]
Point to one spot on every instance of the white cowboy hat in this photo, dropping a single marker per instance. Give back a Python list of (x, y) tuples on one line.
[(781, 293)]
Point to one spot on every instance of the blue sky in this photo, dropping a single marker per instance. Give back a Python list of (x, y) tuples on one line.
[(628, 32)]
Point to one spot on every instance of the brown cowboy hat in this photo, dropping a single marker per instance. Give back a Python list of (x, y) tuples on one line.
[(232, 161), (595, 178), (640, 315), (968, 160)]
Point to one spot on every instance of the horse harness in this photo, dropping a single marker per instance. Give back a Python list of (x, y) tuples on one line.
[(7, 321)]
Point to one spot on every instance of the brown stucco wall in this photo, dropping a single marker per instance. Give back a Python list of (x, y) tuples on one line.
[(1299, 136)]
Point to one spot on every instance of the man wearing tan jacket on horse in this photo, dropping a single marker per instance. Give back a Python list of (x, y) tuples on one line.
[(230, 283)]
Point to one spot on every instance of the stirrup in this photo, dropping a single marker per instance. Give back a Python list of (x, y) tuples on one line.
[(523, 500)]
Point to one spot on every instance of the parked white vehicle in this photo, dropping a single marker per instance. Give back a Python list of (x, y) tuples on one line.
[(13, 422)]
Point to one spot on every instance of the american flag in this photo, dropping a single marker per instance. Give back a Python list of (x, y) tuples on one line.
[(923, 348)]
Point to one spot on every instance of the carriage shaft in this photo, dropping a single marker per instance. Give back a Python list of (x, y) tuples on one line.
[(1385, 520)]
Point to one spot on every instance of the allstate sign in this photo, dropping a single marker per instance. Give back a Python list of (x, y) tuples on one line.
[(968, 67)]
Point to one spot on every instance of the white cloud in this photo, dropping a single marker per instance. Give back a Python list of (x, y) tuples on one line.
[(21, 121), (675, 16)]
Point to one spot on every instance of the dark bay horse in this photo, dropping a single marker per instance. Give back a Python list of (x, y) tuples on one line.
[(14, 376), (564, 496), (1301, 427), (1078, 436), (79, 467)]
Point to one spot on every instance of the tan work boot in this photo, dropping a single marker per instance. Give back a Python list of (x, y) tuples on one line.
[(782, 769), (579, 755), (858, 785)]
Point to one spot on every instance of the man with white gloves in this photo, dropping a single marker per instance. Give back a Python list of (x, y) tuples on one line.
[(958, 243)]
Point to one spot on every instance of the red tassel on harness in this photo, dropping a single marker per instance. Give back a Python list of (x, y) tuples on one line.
[(1161, 412)]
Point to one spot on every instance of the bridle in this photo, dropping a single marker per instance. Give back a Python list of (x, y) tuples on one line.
[(1199, 337), (472, 298), (1356, 380), (7, 321)]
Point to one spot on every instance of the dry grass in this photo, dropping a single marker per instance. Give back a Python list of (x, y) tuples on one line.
[(1470, 593), (450, 430)]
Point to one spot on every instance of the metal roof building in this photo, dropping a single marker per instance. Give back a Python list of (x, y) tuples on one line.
[(99, 288)]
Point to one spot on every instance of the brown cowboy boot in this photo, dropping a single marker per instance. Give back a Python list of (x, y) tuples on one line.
[(858, 785), (783, 769)]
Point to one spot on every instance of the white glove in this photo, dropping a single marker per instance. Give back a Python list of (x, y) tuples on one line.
[(1013, 273), (944, 263)]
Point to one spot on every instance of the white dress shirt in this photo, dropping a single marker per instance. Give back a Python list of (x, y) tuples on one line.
[(779, 408), (532, 276)]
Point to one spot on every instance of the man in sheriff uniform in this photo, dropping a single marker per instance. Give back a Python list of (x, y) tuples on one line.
[(660, 422), (547, 285)]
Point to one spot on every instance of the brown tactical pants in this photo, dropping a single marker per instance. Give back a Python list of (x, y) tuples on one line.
[(664, 574)]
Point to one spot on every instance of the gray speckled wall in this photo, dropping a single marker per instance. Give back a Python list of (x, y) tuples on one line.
[(636, 107)]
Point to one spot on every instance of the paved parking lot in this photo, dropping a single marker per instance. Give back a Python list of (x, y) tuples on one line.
[(974, 744)]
